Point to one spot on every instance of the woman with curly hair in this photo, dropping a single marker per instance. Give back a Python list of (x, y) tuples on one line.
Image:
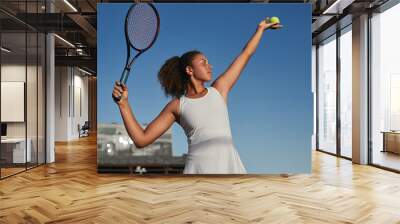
[(201, 111)]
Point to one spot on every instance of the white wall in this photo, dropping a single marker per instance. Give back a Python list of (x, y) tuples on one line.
[(80, 83), (12, 101), (69, 82), (61, 104), (12, 73), (33, 126)]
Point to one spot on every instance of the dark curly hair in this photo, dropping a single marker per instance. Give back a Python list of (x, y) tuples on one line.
[(172, 74)]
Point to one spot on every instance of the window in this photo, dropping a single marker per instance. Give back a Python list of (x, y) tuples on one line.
[(346, 92), (385, 88), (327, 95)]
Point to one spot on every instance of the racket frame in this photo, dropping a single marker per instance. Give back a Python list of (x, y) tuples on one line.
[(128, 64)]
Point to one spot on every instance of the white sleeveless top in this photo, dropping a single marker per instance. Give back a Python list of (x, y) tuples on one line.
[(205, 121)]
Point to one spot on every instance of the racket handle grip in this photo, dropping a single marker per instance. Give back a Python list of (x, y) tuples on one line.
[(124, 76)]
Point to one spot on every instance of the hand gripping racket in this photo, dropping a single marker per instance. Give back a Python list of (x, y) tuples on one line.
[(142, 24)]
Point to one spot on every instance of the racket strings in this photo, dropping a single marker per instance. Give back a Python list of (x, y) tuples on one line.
[(142, 24)]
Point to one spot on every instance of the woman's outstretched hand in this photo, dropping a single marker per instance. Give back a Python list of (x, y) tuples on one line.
[(265, 24), (120, 92)]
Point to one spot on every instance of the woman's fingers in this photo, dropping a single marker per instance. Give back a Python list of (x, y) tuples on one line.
[(124, 87), (117, 93), (120, 91), (265, 24), (273, 24), (119, 88)]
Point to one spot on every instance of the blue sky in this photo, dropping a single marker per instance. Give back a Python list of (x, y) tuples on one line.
[(270, 107)]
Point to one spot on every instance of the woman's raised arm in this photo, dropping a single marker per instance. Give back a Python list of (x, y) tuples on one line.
[(226, 80)]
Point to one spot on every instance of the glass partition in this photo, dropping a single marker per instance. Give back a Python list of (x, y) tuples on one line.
[(327, 95), (31, 98), (22, 89), (13, 104), (346, 92), (385, 85)]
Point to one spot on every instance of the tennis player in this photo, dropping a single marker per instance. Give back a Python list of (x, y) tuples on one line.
[(201, 111)]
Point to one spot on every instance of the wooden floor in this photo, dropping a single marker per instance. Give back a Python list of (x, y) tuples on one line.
[(387, 159), (71, 191), (5, 172)]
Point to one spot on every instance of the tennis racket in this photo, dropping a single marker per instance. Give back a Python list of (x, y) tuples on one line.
[(142, 24)]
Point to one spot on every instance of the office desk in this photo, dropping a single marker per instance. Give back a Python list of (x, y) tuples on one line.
[(391, 141), (17, 147)]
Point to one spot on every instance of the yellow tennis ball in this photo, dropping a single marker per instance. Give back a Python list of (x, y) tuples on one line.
[(274, 19)]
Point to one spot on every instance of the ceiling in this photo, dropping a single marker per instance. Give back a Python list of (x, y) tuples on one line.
[(76, 22)]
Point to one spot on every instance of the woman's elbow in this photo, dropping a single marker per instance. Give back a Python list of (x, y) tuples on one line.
[(138, 142), (140, 145)]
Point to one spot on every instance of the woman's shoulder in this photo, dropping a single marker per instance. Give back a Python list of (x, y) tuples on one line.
[(173, 105), (174, 101), (216, 89), (219, 93)]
